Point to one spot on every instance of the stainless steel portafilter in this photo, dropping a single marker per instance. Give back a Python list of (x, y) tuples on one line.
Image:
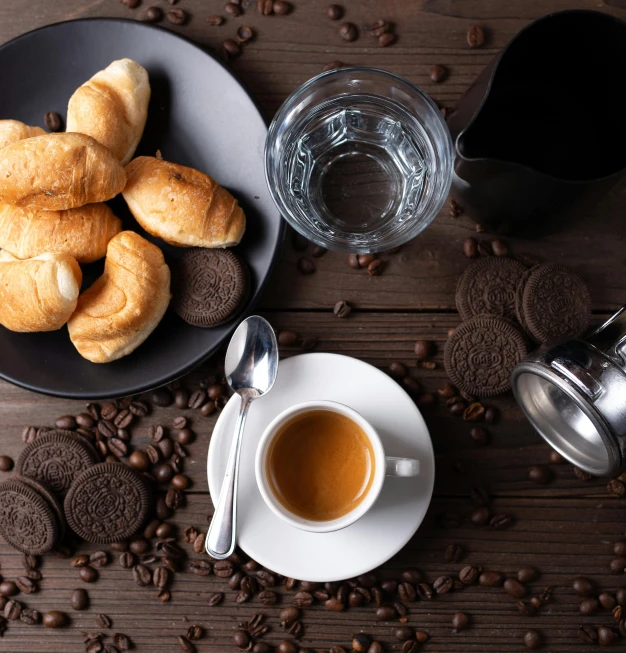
[(574, 394)]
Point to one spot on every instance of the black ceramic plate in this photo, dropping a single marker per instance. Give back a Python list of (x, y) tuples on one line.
[(199, 116)]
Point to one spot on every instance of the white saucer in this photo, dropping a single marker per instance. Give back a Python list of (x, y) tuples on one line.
[(403, 502)]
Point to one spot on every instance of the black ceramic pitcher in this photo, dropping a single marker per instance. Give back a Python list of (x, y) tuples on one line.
[(541, 134)]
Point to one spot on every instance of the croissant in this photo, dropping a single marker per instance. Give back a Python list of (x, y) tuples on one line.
[(38, 294), (122, 308), (14, 130), (183, 206), (112, 107), (55, 172), (83, 233)]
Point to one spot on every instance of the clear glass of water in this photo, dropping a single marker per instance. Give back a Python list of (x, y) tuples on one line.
[(359, 160)]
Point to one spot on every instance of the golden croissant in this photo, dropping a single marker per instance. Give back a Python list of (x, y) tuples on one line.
[(183, 206), (55, 172), (122, 308), (14, 130), (112, 107), (38, 294), (83, 233)]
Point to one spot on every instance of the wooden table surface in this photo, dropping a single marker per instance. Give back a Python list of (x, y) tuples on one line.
[(565, 528)]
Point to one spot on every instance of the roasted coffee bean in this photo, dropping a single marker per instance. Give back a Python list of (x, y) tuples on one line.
[(367, 594), (618, 613), (12, 609), (480, 435), (480, 516), (469, 575), (157, 433), (118, 447), (88, 574), (539, 474), (582, 475), (460, 621), (475, 36), (164, 595), (122, 642), (306, 265), (532, 640), (588, 634), (123, 434), (179, 422), (454, 553), (307, 585), (139, 545), (30, 561), (546, 594), (386, 613), (223, 569), (501, 521), (282, 7), (177, 16), (424, 591), (387, 39), (380, 27), (404, 633), (215, 599), (215, 21), (25, 585), (527, 609), (303, 599), (29, 434), (361, 643), (389, 586), (334, 12), (353, 259), (67, 422), (287, 338), (266, 578), (76, 561), (249, 585), (142, 575), (335, 604), (107, 429), (527, 574), (588, 606), (123, 419), (457, 407), (54, 123), (267, 597), (342, 309), (160, 577), (583, 586), (288, 615), (474, 412), (174, 499), (318, 251), (127, 560), (607, 600), (199, 543), (262, 647), (289, 647), (179, 451), (208, 409), (54, 619), (490, 579), (33, 574), (153, 15), (245, 34), (438, 74), (355, 599), (423, 349), (348, 32), (185, 645), (617, 566), (397, 370), (606, 636), (161, 397), (139, 460), (30, 617), (241, 639), (198, 397), (165, 447), (201, 567), (407, 592), (103, 621), (400, 609), (514, 588), (163, 473), (619, 548), (232, 9), (499, 248), (443, 584), (470, 247)]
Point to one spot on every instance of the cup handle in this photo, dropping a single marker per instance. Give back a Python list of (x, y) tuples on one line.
[(404, 467)]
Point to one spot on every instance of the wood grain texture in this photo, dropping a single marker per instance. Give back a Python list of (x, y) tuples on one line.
[(565, 528)]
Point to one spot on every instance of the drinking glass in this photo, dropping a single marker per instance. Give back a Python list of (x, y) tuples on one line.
[(359, 160)]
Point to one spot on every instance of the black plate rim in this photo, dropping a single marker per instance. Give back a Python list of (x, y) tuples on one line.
[(254, 299)]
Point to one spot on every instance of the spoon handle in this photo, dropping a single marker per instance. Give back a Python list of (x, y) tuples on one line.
[(222, 535)]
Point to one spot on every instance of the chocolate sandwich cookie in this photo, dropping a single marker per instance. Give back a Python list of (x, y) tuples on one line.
[(481, 354), (519, 297), (487, 287), (56, 458), (30, 518), (556, 303), (107, 503), (210, 286)]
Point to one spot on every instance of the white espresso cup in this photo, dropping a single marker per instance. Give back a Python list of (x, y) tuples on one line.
[(384, 466)]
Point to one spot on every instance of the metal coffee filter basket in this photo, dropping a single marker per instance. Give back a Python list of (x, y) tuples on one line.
[(574, 394)]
